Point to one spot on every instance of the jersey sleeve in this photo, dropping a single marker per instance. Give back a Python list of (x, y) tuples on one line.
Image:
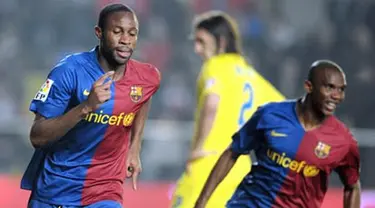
[(154, 79), (212, 78), (157, 78), (249, 136), (53, 97), (349, 167)]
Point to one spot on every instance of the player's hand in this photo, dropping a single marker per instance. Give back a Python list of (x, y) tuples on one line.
[(100, 91), (133, 167), (196, 155)]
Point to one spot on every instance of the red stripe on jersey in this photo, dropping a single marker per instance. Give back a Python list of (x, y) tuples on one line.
[(106, 175)]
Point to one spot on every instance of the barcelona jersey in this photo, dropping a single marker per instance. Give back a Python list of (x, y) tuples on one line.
[(87, 164), (293, 164)]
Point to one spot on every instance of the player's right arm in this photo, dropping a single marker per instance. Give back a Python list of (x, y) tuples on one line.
[(245, 140), (349, 173), (225, 163), (51, 122)]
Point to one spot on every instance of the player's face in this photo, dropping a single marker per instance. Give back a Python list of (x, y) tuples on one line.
[(328, 91), (204, 44), (119, 37)]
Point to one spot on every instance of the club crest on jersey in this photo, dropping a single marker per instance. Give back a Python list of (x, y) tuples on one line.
[(136, 93), (322, 150)]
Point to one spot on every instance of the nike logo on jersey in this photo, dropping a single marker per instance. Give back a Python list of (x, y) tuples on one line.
[(277, 134), (86, 92)]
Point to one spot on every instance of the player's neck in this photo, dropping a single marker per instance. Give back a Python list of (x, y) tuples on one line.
[(107, 66), (307, 115)]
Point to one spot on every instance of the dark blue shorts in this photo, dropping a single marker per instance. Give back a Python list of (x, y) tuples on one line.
[(102, 204)]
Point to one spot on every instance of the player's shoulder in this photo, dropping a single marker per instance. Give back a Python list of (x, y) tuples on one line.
[(339, 127), (285, 107), (219, 61), (219, 65), (213, 60), (64, 66), (226, 59), (147, 71), (277, 113), (71, 62), (210, 66)]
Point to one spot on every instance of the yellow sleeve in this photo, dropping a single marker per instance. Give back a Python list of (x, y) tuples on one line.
[(212, 79)]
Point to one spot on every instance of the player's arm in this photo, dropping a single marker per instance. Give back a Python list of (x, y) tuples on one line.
[(211, 98), (206, 120), (138, 126), (48, 129), (133, 162), (221, 169), (45, 131), (352, 195), (348, 171), (246, 139)]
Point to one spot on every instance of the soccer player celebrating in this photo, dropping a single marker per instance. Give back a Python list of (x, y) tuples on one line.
[(297, 144), (228, 91), (90, 115)]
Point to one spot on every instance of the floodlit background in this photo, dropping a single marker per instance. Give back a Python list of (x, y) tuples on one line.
[(281, 38)]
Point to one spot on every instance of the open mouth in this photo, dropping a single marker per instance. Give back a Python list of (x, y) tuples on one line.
[(123, 53), (331, 106)]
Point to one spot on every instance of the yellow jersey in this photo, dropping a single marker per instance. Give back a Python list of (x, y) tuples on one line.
[(241, 90)]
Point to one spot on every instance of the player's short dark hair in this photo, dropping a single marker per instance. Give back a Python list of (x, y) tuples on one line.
[(110, 9), (322, 65), (220, 24)]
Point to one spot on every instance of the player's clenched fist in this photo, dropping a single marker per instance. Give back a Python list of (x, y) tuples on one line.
[(100, 91)]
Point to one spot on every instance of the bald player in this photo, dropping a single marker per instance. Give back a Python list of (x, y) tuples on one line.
[(298, 143)]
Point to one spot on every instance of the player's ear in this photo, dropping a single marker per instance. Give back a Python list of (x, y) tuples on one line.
[(98, 32), (308, 86), (222, 44)]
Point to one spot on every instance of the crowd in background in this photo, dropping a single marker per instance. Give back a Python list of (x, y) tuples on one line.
[(281, 39)]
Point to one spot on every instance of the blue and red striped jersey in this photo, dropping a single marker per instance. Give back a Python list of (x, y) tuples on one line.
[(293, 165), (88, 163)]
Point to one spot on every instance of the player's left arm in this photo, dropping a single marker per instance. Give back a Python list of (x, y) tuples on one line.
[(211, 99), (138, 126), (133, 162), (205, 123), (349, 171), (352, 195)]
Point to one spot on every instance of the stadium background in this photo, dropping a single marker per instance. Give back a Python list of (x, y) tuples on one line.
[(281, 38)]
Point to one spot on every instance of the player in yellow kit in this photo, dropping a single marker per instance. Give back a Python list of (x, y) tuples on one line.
[(229, 90)]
